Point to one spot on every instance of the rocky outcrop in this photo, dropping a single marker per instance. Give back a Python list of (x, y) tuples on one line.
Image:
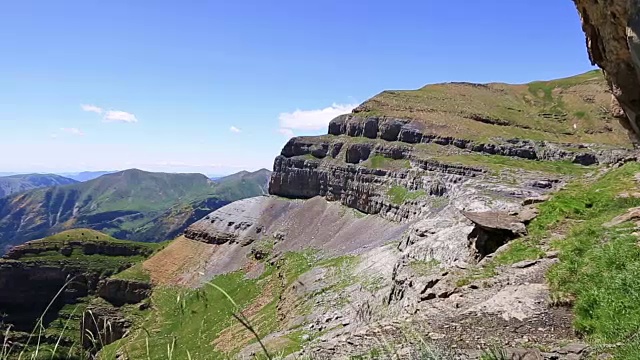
[(284, 225), (120, 291), (26, 289), (59, 270), (612, 29), (492, 230), (108, 248), (103, 325), (414, 132)]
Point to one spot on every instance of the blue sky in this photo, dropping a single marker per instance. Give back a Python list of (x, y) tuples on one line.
[(219, 86)]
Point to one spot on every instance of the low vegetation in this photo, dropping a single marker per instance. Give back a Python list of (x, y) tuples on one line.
[(598, 270), (382, 162), (599, 266), (399, 194), (541, 110), (500, 163), (194, 319)]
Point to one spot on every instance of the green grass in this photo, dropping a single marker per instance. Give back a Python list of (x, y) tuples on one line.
[(580, 114), (424, 268), (599, 269), (381, 162), (136, 273), (48, 251), (399, 194), (540, 110), (499, 162), (194, 318)]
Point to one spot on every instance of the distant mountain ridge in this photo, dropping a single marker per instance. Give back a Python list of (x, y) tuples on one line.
[(19, 183), (131, 204), (87, 175)]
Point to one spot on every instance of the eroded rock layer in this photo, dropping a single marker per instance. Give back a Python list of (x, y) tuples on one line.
[(612, 28)]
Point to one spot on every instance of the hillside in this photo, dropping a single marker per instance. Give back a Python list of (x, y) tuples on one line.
[(131, 204), (20, 183), (244, 184), (575, 109), (61, 281), (441, 223), (87, 175)]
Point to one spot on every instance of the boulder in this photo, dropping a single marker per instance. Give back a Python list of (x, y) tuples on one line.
[(632, 214), (492, 230), (497, 221)]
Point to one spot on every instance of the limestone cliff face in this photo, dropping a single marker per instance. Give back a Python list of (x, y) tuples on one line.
[(423, 158), (612, 28)]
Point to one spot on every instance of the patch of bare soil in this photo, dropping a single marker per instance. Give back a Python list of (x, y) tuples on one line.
[(182, 256)]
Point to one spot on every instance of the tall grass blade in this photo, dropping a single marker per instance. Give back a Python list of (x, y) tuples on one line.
[(66, 324), (242, 319), (40, 319)]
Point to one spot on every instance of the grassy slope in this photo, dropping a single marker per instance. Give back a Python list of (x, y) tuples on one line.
[(553, 110), (243, 185), (599, 269), (194, 319), (49, 251)]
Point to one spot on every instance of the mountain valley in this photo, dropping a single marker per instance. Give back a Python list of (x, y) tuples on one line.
[(131, 204)]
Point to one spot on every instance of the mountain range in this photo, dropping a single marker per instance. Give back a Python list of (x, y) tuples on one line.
[(19, 183), (86, 175), (130, 204)]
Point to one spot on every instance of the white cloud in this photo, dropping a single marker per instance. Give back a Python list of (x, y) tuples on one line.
[(234, 129), (111, 115), (286, 132), (119, 116), (54, 136), (72, 131), (311, 120), (92, 108)]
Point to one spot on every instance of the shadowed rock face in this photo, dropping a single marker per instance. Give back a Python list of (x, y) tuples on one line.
[(611, 28)]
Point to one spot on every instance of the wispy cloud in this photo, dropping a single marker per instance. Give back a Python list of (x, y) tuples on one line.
[(92, 108), (234, 129), (72, 131), (110, 115), (311, 120), (119, 116)]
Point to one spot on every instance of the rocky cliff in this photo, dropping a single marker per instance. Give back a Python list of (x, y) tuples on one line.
[(42, 278), (423, 156), (612, 28), (403, 215)]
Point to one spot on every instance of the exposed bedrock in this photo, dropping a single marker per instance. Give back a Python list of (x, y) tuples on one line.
[(102, 326), (240, 228), (120, 292), (28, 288), (612, 28), (415, 132)]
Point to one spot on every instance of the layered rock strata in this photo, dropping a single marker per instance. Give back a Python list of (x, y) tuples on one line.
[(612, 31)]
